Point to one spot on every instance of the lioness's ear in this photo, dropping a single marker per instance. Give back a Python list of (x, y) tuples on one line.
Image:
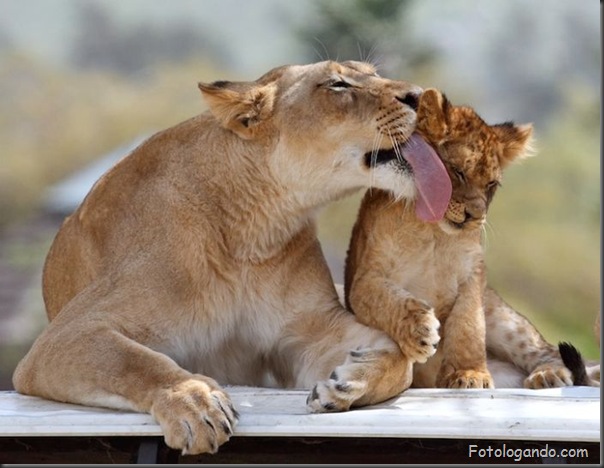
[(433, 114), (517, 141), (240, 107)]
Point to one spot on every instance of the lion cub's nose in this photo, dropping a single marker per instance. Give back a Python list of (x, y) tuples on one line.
[(410, 99), (470, 215)]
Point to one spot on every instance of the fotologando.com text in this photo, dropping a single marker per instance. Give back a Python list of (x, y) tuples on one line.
[(520, 453)]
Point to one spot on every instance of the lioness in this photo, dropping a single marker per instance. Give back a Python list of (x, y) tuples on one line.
[(195, 259), (400, 267)]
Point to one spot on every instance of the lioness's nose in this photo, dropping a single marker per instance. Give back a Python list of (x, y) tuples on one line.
[(411, 99)]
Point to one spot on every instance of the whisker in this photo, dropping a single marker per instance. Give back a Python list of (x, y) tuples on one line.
[(370, 55), (324, 49), (399, 156), (377, 141), (375, 147), (396, 148), (407, 208), (485, 231), (483, 236), (490, 226), (393, 200)]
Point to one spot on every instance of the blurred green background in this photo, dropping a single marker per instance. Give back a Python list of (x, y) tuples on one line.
[(79, 79)]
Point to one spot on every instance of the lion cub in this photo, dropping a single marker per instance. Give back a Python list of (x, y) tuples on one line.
[(399, 267)]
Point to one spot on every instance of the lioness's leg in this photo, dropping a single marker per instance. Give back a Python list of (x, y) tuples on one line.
[(344, 362), (323, 347), (80, 358), (512, 338)]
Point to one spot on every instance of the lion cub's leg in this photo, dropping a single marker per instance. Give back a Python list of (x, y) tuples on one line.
[(512, 338), (380, 303), (344, 362), (464, 362)]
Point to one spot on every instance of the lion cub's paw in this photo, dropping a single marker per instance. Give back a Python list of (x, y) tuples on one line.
[(467, 378), (196, 416), (417, 334), (549, 376), (593, 372), (345, 385)]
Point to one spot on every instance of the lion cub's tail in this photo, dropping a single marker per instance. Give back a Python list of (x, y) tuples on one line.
[(574, 362), (572, 359)]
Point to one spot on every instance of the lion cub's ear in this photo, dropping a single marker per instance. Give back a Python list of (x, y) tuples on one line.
[(517, 141), (433, 115), (240, 107)]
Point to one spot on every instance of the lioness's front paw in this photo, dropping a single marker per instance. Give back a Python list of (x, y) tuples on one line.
[(467, 378), (345, 385), (417, 333), (549, 376), (196, 416)]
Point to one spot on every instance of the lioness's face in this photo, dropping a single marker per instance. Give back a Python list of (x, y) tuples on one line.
[(348, 122), (331, 126)]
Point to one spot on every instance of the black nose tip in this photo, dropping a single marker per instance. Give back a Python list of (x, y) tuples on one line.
[(410, 99)]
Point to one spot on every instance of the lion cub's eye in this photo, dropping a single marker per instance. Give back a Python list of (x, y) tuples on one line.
[(459, 174), (493, 184)]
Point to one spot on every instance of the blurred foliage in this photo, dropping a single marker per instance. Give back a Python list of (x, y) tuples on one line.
[(126, 81), (544, 247), (101, 42), (370, 30), (54, 121), (27, 254)]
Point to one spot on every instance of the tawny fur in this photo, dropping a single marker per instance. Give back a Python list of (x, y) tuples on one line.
[(400, 269), (195, 261)]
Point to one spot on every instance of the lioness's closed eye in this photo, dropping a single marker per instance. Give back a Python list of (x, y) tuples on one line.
[(194, 261)]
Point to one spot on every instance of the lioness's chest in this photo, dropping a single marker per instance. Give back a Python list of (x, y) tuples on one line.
[(227, 330), (228, 344)]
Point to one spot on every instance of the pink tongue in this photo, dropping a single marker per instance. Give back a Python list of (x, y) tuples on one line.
[(431, 179)]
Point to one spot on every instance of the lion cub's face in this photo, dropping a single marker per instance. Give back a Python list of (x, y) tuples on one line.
[(330, 126), (474, 154)]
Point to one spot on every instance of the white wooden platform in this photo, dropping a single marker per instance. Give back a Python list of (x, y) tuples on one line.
[(563, 414)]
